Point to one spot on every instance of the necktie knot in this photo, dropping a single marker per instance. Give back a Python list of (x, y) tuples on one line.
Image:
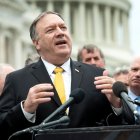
[(58, 70)]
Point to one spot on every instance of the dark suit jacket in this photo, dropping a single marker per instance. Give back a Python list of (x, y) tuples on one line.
[(94, 110)]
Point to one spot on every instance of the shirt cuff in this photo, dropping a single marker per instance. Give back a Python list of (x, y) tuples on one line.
[(117, 111), (31, 117)]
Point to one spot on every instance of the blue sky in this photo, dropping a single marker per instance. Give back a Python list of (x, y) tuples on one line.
[(134, 24)]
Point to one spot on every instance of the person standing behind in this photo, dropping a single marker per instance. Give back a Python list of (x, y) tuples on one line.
[(134, 79), (91, 54), (4, 70), (32, 59), (30, 94), (121, 74)]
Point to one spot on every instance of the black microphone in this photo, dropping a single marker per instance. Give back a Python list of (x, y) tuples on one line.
[(77, 95), (120, 90), (62, 121)]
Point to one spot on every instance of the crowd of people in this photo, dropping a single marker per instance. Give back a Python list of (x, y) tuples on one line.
[(29, 94), (4, 70)]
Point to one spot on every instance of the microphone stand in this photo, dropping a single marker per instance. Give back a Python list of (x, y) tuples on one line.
[(62, 108), (63, 121)]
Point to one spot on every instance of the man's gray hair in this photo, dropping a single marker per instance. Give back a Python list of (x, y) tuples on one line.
[(89, 48), (33, 33)]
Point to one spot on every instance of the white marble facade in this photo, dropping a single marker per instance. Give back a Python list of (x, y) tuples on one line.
[(101, 22)]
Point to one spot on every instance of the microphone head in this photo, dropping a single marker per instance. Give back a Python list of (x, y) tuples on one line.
[(118, 88), (78, 94), (64, 119)]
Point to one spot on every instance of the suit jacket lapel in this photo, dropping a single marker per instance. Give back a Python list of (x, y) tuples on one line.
[(40, 73), (76, 75)]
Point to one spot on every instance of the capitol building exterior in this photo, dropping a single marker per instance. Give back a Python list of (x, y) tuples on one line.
[(100, 22)]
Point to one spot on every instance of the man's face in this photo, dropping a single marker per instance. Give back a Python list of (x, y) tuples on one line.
[(134, 75), (54, 41), (92, 58)]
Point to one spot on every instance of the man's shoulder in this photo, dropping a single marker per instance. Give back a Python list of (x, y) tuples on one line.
[(87, 69), (24, 70)]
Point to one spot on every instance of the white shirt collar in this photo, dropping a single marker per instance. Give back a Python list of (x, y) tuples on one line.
[(131, 95), (50, 67)]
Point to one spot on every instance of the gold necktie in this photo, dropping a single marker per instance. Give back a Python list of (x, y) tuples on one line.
[(59, 83)]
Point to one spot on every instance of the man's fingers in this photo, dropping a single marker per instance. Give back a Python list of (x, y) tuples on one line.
[(105, 73)]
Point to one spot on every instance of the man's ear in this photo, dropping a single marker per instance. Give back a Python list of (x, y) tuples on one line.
[(36, 44)]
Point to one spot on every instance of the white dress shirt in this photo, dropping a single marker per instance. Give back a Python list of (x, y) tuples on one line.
[(66, 75), (132, 96)]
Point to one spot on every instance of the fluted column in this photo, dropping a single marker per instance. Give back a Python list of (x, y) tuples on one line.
[(125, 29), (108, 24), (50, 6), (89, 26), (96, 22), (33, 5), (2, 47), (116, 24), (18, 53), (66, 14), (75, 24), (81, 21)]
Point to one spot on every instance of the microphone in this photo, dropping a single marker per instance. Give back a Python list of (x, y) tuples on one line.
[(120, 90), (62, 121), (77, 95)]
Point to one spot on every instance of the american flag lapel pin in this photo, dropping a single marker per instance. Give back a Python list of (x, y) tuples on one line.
[(77, 70)]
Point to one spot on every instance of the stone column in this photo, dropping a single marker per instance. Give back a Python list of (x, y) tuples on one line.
[(96, 22), (81, 22), (108, 26), (89, 25), (66, 14), (125, 29), (18, 51), (33, 5), (75, 22), (2, 46), (116, 24), (50, 6)]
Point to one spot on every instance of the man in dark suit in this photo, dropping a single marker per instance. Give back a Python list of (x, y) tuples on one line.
[(29, 94)]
